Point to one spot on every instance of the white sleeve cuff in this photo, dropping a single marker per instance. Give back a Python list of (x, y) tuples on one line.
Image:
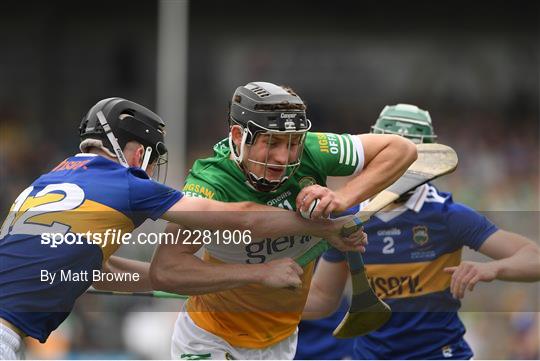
[(359, 151)]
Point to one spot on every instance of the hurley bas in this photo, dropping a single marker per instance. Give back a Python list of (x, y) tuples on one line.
[(84, 276)]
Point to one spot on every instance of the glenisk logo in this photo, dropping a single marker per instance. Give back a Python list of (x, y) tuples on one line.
[(258, 252), (420, 235)]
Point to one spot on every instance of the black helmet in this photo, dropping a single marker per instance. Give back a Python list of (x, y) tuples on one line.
[(266, 108), (128, 121), (262, 107)]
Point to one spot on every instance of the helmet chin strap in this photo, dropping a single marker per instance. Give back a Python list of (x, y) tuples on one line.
[(262, 184), (238, 157), (146, 158), (112, 139)]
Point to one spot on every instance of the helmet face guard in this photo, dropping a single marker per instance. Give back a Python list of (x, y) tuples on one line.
[(160, 165), (268, 112), (405, 120), (247, 160), (113, 122)]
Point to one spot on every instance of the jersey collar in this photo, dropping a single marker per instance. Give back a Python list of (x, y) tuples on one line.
[(417, 200), (414, 203)]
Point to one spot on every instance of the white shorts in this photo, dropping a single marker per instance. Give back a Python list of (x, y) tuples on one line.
[(190, 342), (11, 345)]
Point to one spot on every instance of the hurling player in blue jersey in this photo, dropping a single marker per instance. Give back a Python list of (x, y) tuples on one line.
[(414, 263), (94, 196)]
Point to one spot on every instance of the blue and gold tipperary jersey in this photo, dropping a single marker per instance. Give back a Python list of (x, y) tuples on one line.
[(315, 341), (408, 249), (84, 195)]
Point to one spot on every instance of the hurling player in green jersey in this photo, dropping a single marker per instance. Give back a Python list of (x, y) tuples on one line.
[(271, 158)]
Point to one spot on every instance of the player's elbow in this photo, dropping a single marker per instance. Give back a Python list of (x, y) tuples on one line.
[(404, 148), (534, 252)]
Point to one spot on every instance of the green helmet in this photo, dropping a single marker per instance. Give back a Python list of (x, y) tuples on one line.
[(406, 120)]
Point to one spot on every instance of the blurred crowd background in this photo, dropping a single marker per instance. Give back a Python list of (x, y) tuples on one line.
[(475, 67)]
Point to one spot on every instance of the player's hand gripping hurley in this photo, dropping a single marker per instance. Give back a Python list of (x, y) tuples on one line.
[(367, 311)]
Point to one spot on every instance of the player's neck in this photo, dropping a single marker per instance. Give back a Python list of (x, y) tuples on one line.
[(101, 153)]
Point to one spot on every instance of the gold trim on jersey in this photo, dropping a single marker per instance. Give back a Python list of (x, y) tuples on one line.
[(90, 216)]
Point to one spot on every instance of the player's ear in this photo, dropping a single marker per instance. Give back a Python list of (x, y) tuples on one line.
[(134, 153), (139, 154), (237, 133)]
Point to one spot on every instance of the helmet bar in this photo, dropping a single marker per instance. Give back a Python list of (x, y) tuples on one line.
[(146, 158), (238, 157), (112, 139)]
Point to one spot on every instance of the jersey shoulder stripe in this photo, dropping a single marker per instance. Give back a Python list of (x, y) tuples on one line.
[(334, 154)]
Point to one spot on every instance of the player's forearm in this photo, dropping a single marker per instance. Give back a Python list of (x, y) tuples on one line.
[(263, 221), (190, 275), (320, 305), (326, 289), (523, 266), (277, 222), (135, 275), (383, 170)]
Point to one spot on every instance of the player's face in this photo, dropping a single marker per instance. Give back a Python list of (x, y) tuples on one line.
[(270, 154)]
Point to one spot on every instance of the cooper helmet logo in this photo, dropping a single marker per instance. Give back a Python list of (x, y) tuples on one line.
[(288, 115), (420, 235), (289, 124)]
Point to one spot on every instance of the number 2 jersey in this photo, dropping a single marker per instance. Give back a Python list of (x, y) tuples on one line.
[(84, 193), (409, 247), (254, 316)]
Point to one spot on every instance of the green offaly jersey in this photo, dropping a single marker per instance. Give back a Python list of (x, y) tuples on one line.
[(220, 178), (254, 315)]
